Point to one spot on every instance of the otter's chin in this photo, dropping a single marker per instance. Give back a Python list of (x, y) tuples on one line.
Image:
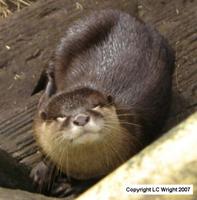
[(76, 136), (86, 138)]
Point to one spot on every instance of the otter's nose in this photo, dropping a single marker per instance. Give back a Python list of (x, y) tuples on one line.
[(81, 120)]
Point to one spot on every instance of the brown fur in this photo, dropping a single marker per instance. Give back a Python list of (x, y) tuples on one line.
[(116, 70)]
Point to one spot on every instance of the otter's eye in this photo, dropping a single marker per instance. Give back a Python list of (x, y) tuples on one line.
[(61, 119), (43, 115), (97, 106), (110, 99)]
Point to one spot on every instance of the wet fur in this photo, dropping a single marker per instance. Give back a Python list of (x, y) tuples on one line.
[(115, 54), (124, 58)]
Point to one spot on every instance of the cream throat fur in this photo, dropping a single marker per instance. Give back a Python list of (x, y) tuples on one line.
[(102, 144)]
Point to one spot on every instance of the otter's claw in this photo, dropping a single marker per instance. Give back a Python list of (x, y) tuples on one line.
[(61, 188)]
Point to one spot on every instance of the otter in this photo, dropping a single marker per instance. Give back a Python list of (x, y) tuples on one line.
[(107, 94)]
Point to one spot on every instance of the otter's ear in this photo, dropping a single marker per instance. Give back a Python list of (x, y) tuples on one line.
[(110, 99), (46, 80), (50, 88)]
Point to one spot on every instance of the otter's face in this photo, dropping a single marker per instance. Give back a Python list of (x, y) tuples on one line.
[(79, 132), (77, 117)]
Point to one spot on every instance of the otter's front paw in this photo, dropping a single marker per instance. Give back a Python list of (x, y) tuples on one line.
[(46, 180), (61, 187), (41, 175)]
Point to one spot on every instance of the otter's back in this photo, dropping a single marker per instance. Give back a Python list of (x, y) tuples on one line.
[(115, 53)]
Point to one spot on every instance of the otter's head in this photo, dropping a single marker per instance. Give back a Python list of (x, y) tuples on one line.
[(81, 132)]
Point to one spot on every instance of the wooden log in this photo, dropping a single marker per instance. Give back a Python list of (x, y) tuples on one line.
[(170, 160)]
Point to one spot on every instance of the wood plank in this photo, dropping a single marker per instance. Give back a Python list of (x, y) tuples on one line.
[(16, 137)]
